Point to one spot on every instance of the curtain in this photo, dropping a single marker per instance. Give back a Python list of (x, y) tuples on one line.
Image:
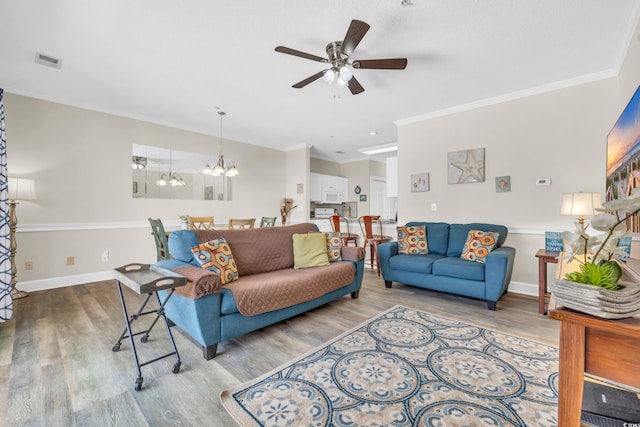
[(6, 303)]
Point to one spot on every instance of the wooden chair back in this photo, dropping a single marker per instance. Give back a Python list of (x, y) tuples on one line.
[(200, 222), (267, 221), (241, 223), (160, 236)]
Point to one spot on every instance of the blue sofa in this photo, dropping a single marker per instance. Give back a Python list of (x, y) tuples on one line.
[(443, 269), (209, 312)]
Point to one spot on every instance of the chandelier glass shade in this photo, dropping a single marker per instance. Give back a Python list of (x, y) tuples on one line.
[(221, 167), (172, 179)]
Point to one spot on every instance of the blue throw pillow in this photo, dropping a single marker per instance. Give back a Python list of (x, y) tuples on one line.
[(180, 244)]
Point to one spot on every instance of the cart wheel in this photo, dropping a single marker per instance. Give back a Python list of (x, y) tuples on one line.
[(115, 348), (176, 367), (144, 339), (138, 386)]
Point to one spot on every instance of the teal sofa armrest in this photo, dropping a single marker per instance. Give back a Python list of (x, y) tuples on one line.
[(385, 252), (498, 270)]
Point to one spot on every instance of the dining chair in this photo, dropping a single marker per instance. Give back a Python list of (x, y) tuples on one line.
[(241, 223), (160, 236), (372, 240), (346, 237), (267, 221), (200, 222)]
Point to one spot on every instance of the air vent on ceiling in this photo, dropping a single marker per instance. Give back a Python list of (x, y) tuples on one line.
[(47, 60)]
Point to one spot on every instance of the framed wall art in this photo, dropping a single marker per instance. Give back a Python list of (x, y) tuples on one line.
[(419, 182), (363, 198), (503, 184), (466, 166)]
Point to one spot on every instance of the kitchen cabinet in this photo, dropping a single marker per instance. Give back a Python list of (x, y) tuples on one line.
[(319, 182)]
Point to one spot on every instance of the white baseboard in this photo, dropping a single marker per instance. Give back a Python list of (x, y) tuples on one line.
[(61, 282), (523, 288)]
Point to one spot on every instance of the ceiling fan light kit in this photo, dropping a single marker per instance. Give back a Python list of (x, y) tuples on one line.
[(338, 53)]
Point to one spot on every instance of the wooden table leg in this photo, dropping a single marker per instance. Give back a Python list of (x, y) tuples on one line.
[(542, 284), (571, 374)]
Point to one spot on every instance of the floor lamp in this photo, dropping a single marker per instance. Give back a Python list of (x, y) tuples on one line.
[(19, 189)]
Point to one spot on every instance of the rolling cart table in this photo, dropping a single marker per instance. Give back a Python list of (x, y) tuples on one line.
[(149, 279)]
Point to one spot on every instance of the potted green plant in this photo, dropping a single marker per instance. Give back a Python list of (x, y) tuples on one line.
[(595, 287)]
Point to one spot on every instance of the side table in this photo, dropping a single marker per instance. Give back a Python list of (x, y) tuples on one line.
[(149, 279), (605, 348), (544, 257)]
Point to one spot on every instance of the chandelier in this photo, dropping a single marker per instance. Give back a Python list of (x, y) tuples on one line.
[(171, 178), (221, 167)]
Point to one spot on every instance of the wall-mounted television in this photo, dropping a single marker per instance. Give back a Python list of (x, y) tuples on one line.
[(623, 152)]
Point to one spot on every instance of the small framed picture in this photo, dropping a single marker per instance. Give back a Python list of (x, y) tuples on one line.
[(503, 184), (363, 198), (419, 182)]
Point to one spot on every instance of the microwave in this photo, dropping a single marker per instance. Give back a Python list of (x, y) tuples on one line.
[(331, 196)]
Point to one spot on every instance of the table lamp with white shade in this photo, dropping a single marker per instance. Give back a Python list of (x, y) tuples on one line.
[(19, 189), (580, 205)]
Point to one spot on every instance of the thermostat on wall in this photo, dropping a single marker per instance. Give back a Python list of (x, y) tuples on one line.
[(543, 181)]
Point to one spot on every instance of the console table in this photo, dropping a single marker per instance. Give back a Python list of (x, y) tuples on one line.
[(606, 348), (544, 257)]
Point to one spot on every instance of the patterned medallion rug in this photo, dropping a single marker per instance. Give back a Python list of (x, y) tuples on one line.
[(407, 368)]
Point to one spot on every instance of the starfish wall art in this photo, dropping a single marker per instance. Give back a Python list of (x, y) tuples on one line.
[(466, 166)]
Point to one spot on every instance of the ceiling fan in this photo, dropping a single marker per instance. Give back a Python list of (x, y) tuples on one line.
[(338, 53)]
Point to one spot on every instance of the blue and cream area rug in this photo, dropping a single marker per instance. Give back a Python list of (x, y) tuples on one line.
[(407, 368)]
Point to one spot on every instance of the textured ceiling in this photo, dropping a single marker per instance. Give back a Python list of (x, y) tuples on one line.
[(173, 62)]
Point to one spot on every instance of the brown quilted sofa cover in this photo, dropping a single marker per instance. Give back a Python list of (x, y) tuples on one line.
[(268, 281)]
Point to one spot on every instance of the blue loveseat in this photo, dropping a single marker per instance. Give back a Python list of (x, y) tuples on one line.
[(268, 290), (443, 269)]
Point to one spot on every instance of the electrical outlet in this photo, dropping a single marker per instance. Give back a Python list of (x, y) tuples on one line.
[(71, 260), (28, 265), (105, 256), (434, 207)]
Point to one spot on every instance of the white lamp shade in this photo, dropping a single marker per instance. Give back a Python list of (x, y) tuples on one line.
[(345, 73), (21, 188), (329, 76), (580, 204)]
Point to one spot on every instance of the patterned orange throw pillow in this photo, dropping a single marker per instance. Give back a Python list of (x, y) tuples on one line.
[(479, 244), (334, 246), (412, 240), (216, 256)]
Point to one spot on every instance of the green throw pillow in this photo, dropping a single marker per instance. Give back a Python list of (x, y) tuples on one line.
[(309, 250)]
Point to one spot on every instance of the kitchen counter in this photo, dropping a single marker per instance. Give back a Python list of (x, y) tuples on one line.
[(388, 227)]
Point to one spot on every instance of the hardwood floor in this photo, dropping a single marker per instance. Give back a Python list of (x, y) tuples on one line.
[(57, 367)]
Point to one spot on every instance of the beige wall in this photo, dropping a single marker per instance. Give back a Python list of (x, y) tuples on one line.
[(297, 172), (559, 135), (325, 167), (81, 161)]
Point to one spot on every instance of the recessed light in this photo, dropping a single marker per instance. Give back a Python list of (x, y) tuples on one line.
[(373, 133), (378, 149), (339, 152)]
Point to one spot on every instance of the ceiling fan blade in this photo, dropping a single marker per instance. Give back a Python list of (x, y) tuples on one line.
[(354, 35), (382, 64), (355, 87), (305, 55), (308, 80)]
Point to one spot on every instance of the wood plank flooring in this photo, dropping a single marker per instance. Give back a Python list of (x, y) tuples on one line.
[(57, 367)]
